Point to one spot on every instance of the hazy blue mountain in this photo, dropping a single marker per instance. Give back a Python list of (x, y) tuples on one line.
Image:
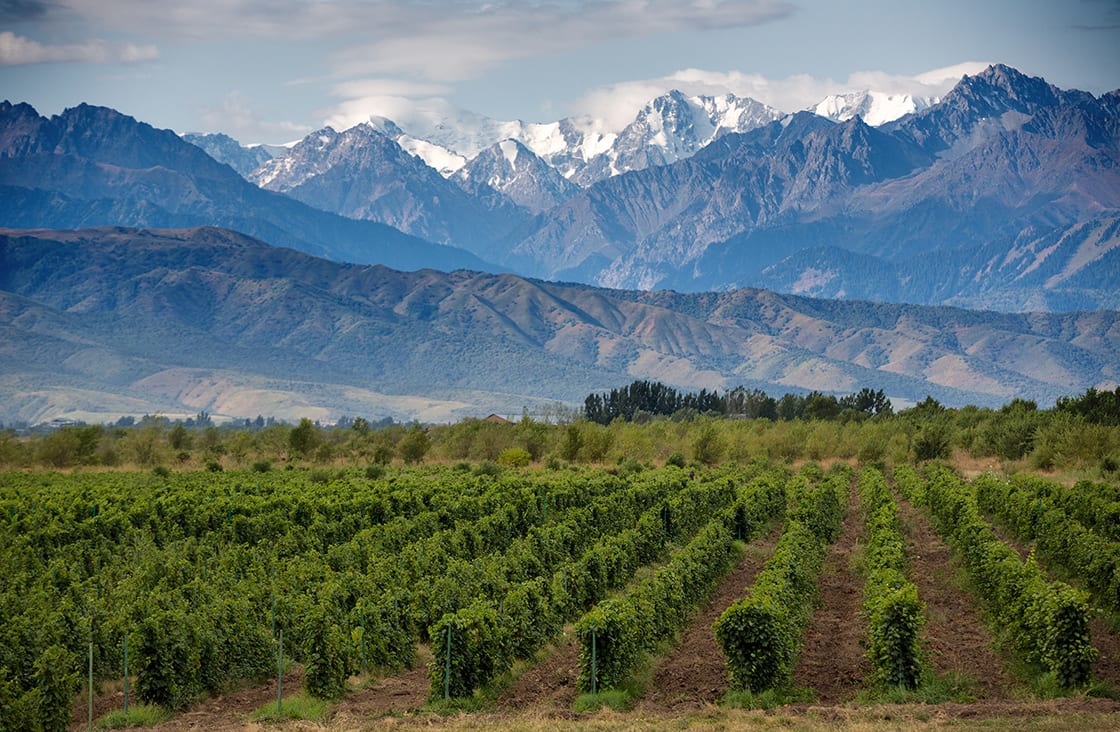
[(223, 148), (1002, 157), (512, 170), (1076, 267), (93, 166), (177, 321)]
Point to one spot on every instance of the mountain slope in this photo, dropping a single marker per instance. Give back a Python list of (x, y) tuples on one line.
[(1001, 156), (225, 149), (210, 319), (512, 170), (363, 174), (92, 166)]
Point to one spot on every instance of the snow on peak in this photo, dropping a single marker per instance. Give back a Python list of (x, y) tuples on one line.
[(509, 150), (876, 108)]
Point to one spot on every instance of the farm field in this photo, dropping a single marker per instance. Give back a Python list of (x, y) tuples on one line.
[(467, 598)]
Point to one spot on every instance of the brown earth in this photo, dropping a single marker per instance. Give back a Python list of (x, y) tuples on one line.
[(223, 712), (694, 673), (550, 684), (401, 693), (833, 661), (956, 639)]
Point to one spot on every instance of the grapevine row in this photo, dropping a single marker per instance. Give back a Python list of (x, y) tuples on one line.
[(761, 634), (1026, 506), (891, 604), (501, 623), (1047, 622), (617, 633)]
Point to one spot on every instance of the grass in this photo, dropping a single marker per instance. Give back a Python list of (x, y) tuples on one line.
[(297, 706), (767, 699), (934, 689), (138, 715), (620, 700)]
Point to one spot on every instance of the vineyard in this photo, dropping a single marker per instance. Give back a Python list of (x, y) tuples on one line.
[(424, 590)]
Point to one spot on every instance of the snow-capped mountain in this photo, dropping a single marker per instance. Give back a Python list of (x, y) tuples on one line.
[(447, 142), (225, 149), (669, 128), (362, 173), (876, 108), (673, 127), (516, 172)]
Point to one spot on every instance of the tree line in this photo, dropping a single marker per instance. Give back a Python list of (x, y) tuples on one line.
[(642, 400)]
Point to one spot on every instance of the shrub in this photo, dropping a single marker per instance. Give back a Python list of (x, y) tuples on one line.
[(325, 655), (479, 650), (514, 457)]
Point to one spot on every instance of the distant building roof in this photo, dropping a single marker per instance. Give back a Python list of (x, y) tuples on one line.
[(496, 419)]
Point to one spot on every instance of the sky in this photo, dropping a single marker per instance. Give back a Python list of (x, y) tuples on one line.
[(274, 70)]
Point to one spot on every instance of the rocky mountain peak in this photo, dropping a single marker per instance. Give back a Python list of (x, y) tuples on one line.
[(511, 169)]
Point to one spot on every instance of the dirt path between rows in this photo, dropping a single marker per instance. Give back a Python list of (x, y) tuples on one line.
[(694, 673), (832, 657), (956, 639), (392, 695), (230, 711), (550, 684)]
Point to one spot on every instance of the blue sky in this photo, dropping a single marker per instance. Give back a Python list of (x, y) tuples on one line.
[(273, 70)]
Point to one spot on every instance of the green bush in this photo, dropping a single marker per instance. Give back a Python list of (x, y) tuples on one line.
[(1047, 622), (325, 654), (760, 635), (891, 605), (514, 457), (480, 649)]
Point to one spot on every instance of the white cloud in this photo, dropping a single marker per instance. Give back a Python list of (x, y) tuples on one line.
[(617, 103), (462, 40), (237, 118), (18, 50), (442, 40), (408, 112), (387, 88)]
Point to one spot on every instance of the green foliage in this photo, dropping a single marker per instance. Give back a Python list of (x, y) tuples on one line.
[(932, 441), (894, 612), (760, 635), (325, 652), (1096, 407), (414, 445), (56, 681), (168, 658), (1046, 621), (708, 448), (1076, 528), (480, 649), (304, 438), (616, 634), (514, 457)]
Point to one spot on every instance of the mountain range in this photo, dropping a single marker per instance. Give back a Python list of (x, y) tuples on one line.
[(96, 166), (139, 271), (100, 322), (702, 193)]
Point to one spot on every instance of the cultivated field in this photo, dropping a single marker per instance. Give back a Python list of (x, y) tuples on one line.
[(472, 598)]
